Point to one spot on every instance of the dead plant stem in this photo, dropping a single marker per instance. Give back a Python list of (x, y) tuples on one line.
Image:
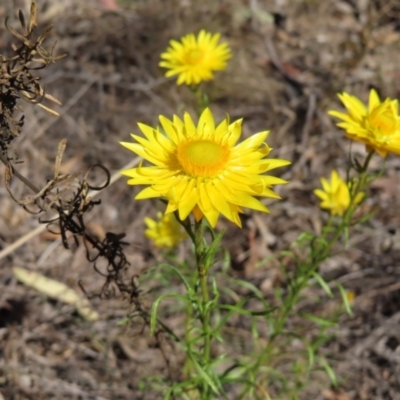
[(38, 230)]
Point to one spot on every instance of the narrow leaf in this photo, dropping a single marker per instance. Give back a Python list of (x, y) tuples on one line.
[(328, 369), (56, 290), (345, 299), (206, 377), (22, 20), (32, 17), (154, 309), (323, 284)]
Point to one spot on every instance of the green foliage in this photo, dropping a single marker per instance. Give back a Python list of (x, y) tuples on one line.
[(283, 351), (210, 308)]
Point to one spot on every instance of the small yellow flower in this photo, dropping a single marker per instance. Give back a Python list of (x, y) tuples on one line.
[(350, 295), (195, 59), (335, 195), (378, 126), (166, 232), (201, 169)]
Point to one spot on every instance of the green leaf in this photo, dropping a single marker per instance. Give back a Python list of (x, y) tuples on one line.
[(344, 298), (154, 309), (265, 260), (328, 369), (226, 261), (319, 244), (215, 290), (304, 237), (204, 375), (311, 356), (254, 329), (124, 321), (365, 218), (278, 294), (346, 234), (242, 311), (179, 389), (253, 289), (289, 254), (238, 308), (322, 283), (212, 249), (318, 320), (176, 270)]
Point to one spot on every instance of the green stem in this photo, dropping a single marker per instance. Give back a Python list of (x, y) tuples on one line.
[(203, 274), (205, 315), (188, 366), (202, 98)]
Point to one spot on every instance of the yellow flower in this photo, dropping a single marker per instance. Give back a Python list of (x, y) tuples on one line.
[(195, 59), (202, 170), (350, 295), (335, 195), (378, 126), (166, 232)]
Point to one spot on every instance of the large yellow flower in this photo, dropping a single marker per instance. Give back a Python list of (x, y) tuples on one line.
[(335, 195), (378, 126), (200, 169), (166, 231), (195, 59)]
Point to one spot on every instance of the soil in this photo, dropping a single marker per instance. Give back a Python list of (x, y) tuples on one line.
[(290, 58)]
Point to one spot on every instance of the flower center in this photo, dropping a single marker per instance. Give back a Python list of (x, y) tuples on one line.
[(193, 56), (202, 158)]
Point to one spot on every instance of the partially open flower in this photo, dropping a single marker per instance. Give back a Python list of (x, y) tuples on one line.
[(194, 59), (378, 126), (165, 232), (335, 195), (201, 170)]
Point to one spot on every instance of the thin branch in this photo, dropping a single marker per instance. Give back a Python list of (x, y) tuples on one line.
[(37, 231)]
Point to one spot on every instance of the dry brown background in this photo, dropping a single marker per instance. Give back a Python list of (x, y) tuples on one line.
[(289, 60)]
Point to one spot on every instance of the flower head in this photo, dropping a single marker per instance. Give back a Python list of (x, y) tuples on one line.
[(335, 195), (201, 169), (378, 126), (195, 59), (166, 232)]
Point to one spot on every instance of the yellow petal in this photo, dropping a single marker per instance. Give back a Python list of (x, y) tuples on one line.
[(373, 100), (206, 123)]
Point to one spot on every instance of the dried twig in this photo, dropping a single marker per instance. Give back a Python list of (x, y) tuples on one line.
[(67, 194), (37, 231)]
